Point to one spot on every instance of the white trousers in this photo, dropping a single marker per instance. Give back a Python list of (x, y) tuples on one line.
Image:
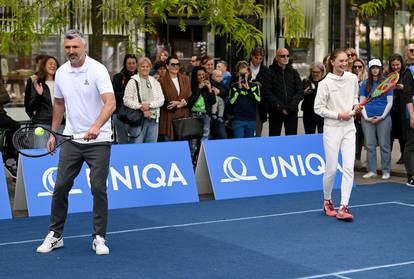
[(337, 139)]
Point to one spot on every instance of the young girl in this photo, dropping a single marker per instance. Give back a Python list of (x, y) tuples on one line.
[(337, 95), (376, 122)]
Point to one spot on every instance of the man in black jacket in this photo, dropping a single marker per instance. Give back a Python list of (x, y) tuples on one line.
[(284, 96)]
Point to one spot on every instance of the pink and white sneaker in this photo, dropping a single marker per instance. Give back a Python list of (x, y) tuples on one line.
[(344, 214), (329, 209)]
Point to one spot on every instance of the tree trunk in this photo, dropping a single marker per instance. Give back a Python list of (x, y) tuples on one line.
[(368, 40), (96, 38)]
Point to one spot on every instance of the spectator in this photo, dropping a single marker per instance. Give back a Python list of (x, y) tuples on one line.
[(217, 129), (285, 94), (160, 69), (200, 102), (119, 83), (176, 89), (398, 130), (358, 68), (261, 76), (244, 97), (222, 66), (376, 122), (352, 55), (312, 121), (162, 55), (42, 96), (208, 63), (10, 126), (408, 98), (149, 90), (195, 60), (28, 89)]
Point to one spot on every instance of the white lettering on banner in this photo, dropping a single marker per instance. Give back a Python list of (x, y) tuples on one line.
[(174, 176), (231, 174), (49, 184), (296, 166)]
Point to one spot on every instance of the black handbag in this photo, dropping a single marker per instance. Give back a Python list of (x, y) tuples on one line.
[(132, 117), (188, 128)]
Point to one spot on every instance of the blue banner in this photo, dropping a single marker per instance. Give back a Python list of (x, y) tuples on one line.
[(5, 212), (140, 175), (266, 165)]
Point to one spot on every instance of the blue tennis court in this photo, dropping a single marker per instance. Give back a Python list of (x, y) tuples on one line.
[(282, 236)]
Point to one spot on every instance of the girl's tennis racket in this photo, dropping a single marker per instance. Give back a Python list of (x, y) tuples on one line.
[(386, 85), (31, 141)]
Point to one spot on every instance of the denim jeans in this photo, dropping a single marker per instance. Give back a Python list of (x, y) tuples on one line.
[(148, 132), (380, 131), (195, 143), (121, 130), (244, 128)]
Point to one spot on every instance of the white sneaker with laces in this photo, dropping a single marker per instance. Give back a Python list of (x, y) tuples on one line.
[(386, 176), (98, 245), (369, 175), (50, 243)]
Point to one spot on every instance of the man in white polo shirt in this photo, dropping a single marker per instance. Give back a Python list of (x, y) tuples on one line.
[(82, 87)]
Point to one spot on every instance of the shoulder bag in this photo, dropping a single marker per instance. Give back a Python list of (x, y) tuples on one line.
[(132, 117), (188, 128)]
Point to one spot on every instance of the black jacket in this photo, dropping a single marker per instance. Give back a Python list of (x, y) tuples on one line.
[(263, 79), (286, 89), (209, 98), (41, 105), (309, 98)]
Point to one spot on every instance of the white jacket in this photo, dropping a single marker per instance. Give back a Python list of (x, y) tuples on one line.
[(336, 94), (131, 99)]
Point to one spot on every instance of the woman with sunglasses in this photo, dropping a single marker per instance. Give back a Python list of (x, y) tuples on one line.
[(176, 89), (358, 68), (396, 64), (352, 55), (149, 90), (337, 95), (376, 122)]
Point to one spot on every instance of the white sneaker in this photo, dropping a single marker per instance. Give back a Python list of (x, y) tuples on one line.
[(98, 245), (50, 243), (386, 176), (369, 175)]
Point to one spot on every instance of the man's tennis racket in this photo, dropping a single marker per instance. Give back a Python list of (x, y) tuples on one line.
[(386, 85), (31, 141)]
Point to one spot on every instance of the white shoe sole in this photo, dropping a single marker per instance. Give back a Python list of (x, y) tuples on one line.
[(58, 245), (99, 252)]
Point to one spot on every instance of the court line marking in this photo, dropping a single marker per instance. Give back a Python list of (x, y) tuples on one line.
[(339, 273), (203, 223)]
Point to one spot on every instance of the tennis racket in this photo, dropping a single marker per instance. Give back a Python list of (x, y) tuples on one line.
[(386, 85), (31, 141)]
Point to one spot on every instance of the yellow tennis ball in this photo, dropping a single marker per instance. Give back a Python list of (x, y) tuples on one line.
[(39, 131)]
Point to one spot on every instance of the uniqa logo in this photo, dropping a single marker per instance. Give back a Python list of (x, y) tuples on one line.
[(49, 184), (232, 176), (296, 165), (151, 175)]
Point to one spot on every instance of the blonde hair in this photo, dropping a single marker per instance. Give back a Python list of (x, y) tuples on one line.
[(143, 60)]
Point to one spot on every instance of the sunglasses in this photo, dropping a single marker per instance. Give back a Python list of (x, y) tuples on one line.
[(351, 55), (357, 67), (175, 64), (148, 83), (411, 50), (284, 56)]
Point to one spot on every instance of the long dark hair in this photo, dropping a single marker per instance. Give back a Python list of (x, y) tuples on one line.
[(396, 56), (370, 80), (124, 70), (332, 57), (194, 80), (41, 73)]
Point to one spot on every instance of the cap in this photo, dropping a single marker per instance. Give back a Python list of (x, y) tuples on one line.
[(374, 62)]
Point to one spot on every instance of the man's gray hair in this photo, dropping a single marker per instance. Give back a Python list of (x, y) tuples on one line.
[(73, 34)]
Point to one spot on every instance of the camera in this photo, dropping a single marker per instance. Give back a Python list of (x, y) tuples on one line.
[(243, 78)]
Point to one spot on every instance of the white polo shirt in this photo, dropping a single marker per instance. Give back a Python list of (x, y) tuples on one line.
[(81, 89)]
